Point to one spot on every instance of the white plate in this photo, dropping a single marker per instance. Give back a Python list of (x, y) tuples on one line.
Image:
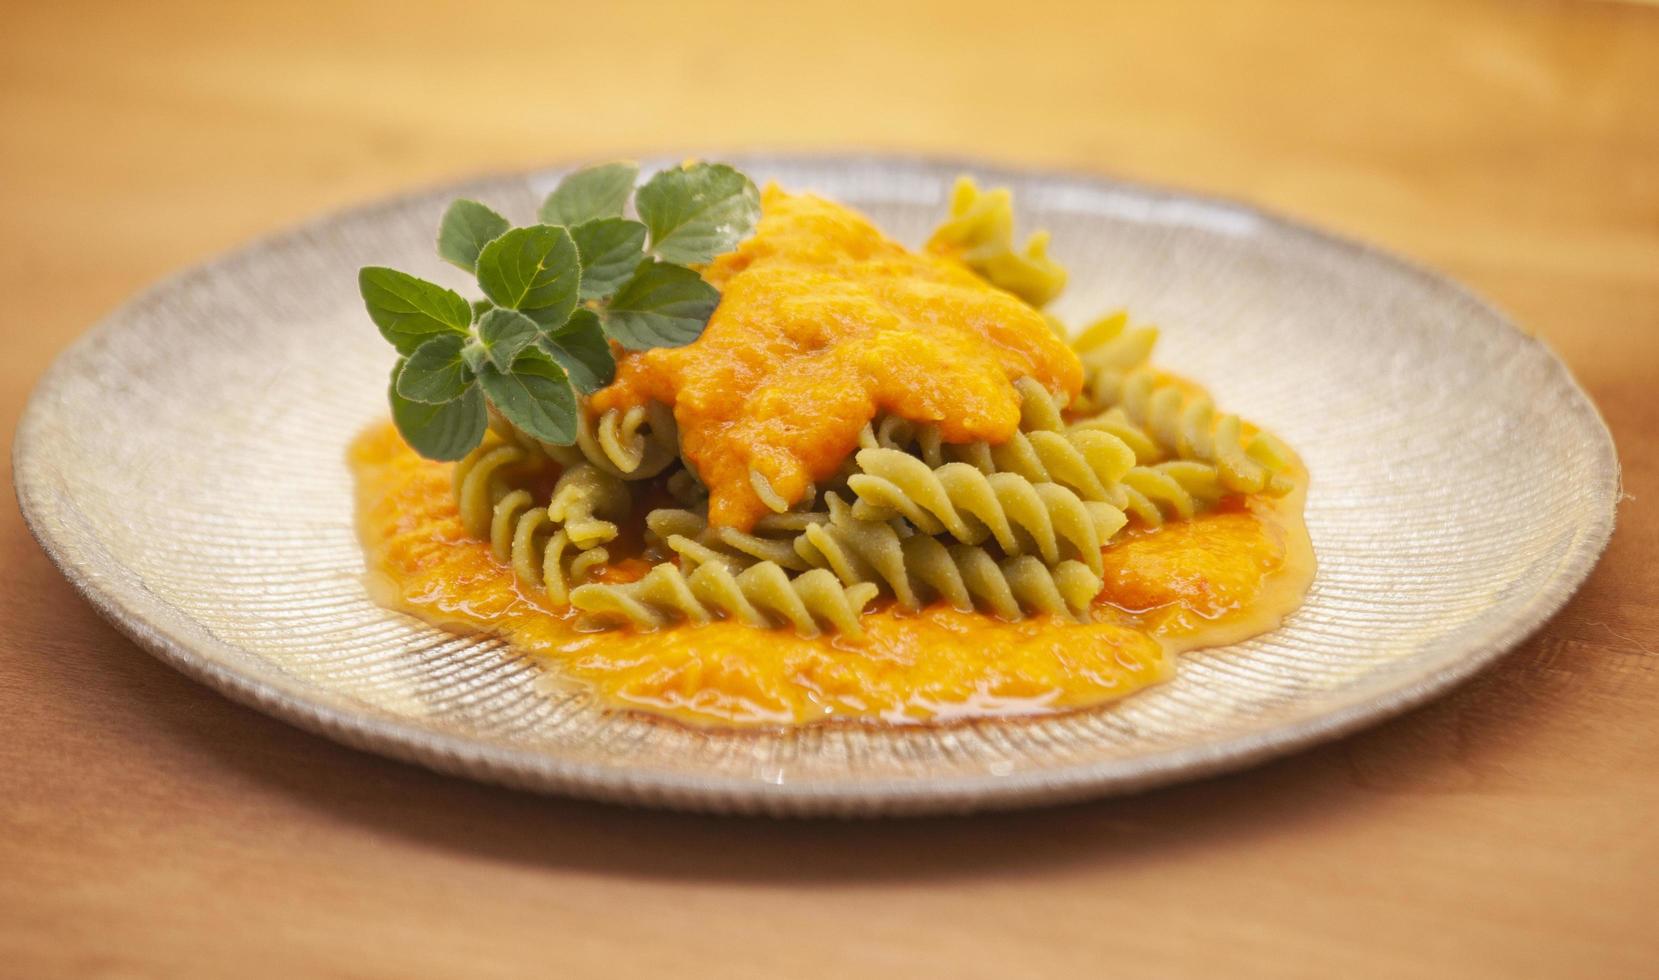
[(184, 465)]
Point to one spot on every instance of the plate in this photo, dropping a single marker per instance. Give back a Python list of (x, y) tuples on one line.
[(184, 465)]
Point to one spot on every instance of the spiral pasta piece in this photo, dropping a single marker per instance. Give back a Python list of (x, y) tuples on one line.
[(587, 502), (480, 481), (917, 438), (762, 595), (688, 535), (980, 233), (1039, 409), (1117, 424), (662, 523), (1109, 350), (919, 569), (1177, 489), (1186, 424), (911, 568), (1024, 584), (960, 500), (540, 552), (685, 488), (1088, 459), (889, 432), (635, 443), (505, 518), (564, 567), (1091, 462)]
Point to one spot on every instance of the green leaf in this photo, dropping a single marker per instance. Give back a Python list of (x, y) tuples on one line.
[(590, 193), (610, 248), (503, 333), (444, 432), (535, 270), (411, 311), (535, 396), (466, 228), (434, 373), (481, 307), (694, 213), (581, 349), (662, 305)]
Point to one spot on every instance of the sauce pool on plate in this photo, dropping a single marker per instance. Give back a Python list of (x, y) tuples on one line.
[(1218, 578)]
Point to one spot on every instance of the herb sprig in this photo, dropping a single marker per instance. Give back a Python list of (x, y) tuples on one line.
[(555, 294)]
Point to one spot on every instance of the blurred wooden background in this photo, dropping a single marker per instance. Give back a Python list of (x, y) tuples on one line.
[(150, 828)]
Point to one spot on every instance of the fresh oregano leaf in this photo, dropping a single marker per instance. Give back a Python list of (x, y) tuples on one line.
[(524, 348), (581, 349), (535, 396), (442, 432), (503, 333), (434, 373), (661, 305), (696, 212), (535, 270), (610, 249), (466, 228), (590, 193), (411, 311)]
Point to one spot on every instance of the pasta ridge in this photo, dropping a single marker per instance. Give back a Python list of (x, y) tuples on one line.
[(960, 500), (763, 595), (481, 479), (551, 545), (918, 569), (1109, 349), (587, 502), (1089, 460), (636, 443), (1160, 417), (1186, 424), (541, 553), (980, 234), (688, 535)]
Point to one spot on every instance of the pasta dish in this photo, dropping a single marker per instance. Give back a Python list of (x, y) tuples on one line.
[(827, 478)]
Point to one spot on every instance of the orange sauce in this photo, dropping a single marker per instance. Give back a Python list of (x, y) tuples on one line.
[(823, 322), (1216, 579)]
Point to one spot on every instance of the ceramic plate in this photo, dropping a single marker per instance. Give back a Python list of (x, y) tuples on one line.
[(184, 465)]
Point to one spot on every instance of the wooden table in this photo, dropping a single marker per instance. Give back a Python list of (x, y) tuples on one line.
[(148, 827)]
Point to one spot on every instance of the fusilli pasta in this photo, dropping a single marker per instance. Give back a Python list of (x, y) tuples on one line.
[(1109, 349), (762, 595), (918, 569), (480, 480), (960, 500), (980, 232), (582, 501), (540, 552), (1185, 423), (1090, 460), (688, 535), (635, 444)]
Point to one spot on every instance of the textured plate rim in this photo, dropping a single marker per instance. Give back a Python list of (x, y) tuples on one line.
[(172, 638)]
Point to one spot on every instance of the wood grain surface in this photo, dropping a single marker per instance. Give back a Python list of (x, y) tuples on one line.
[(148, 827)]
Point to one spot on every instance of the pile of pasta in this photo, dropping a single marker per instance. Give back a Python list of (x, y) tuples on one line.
[(615, 526)]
